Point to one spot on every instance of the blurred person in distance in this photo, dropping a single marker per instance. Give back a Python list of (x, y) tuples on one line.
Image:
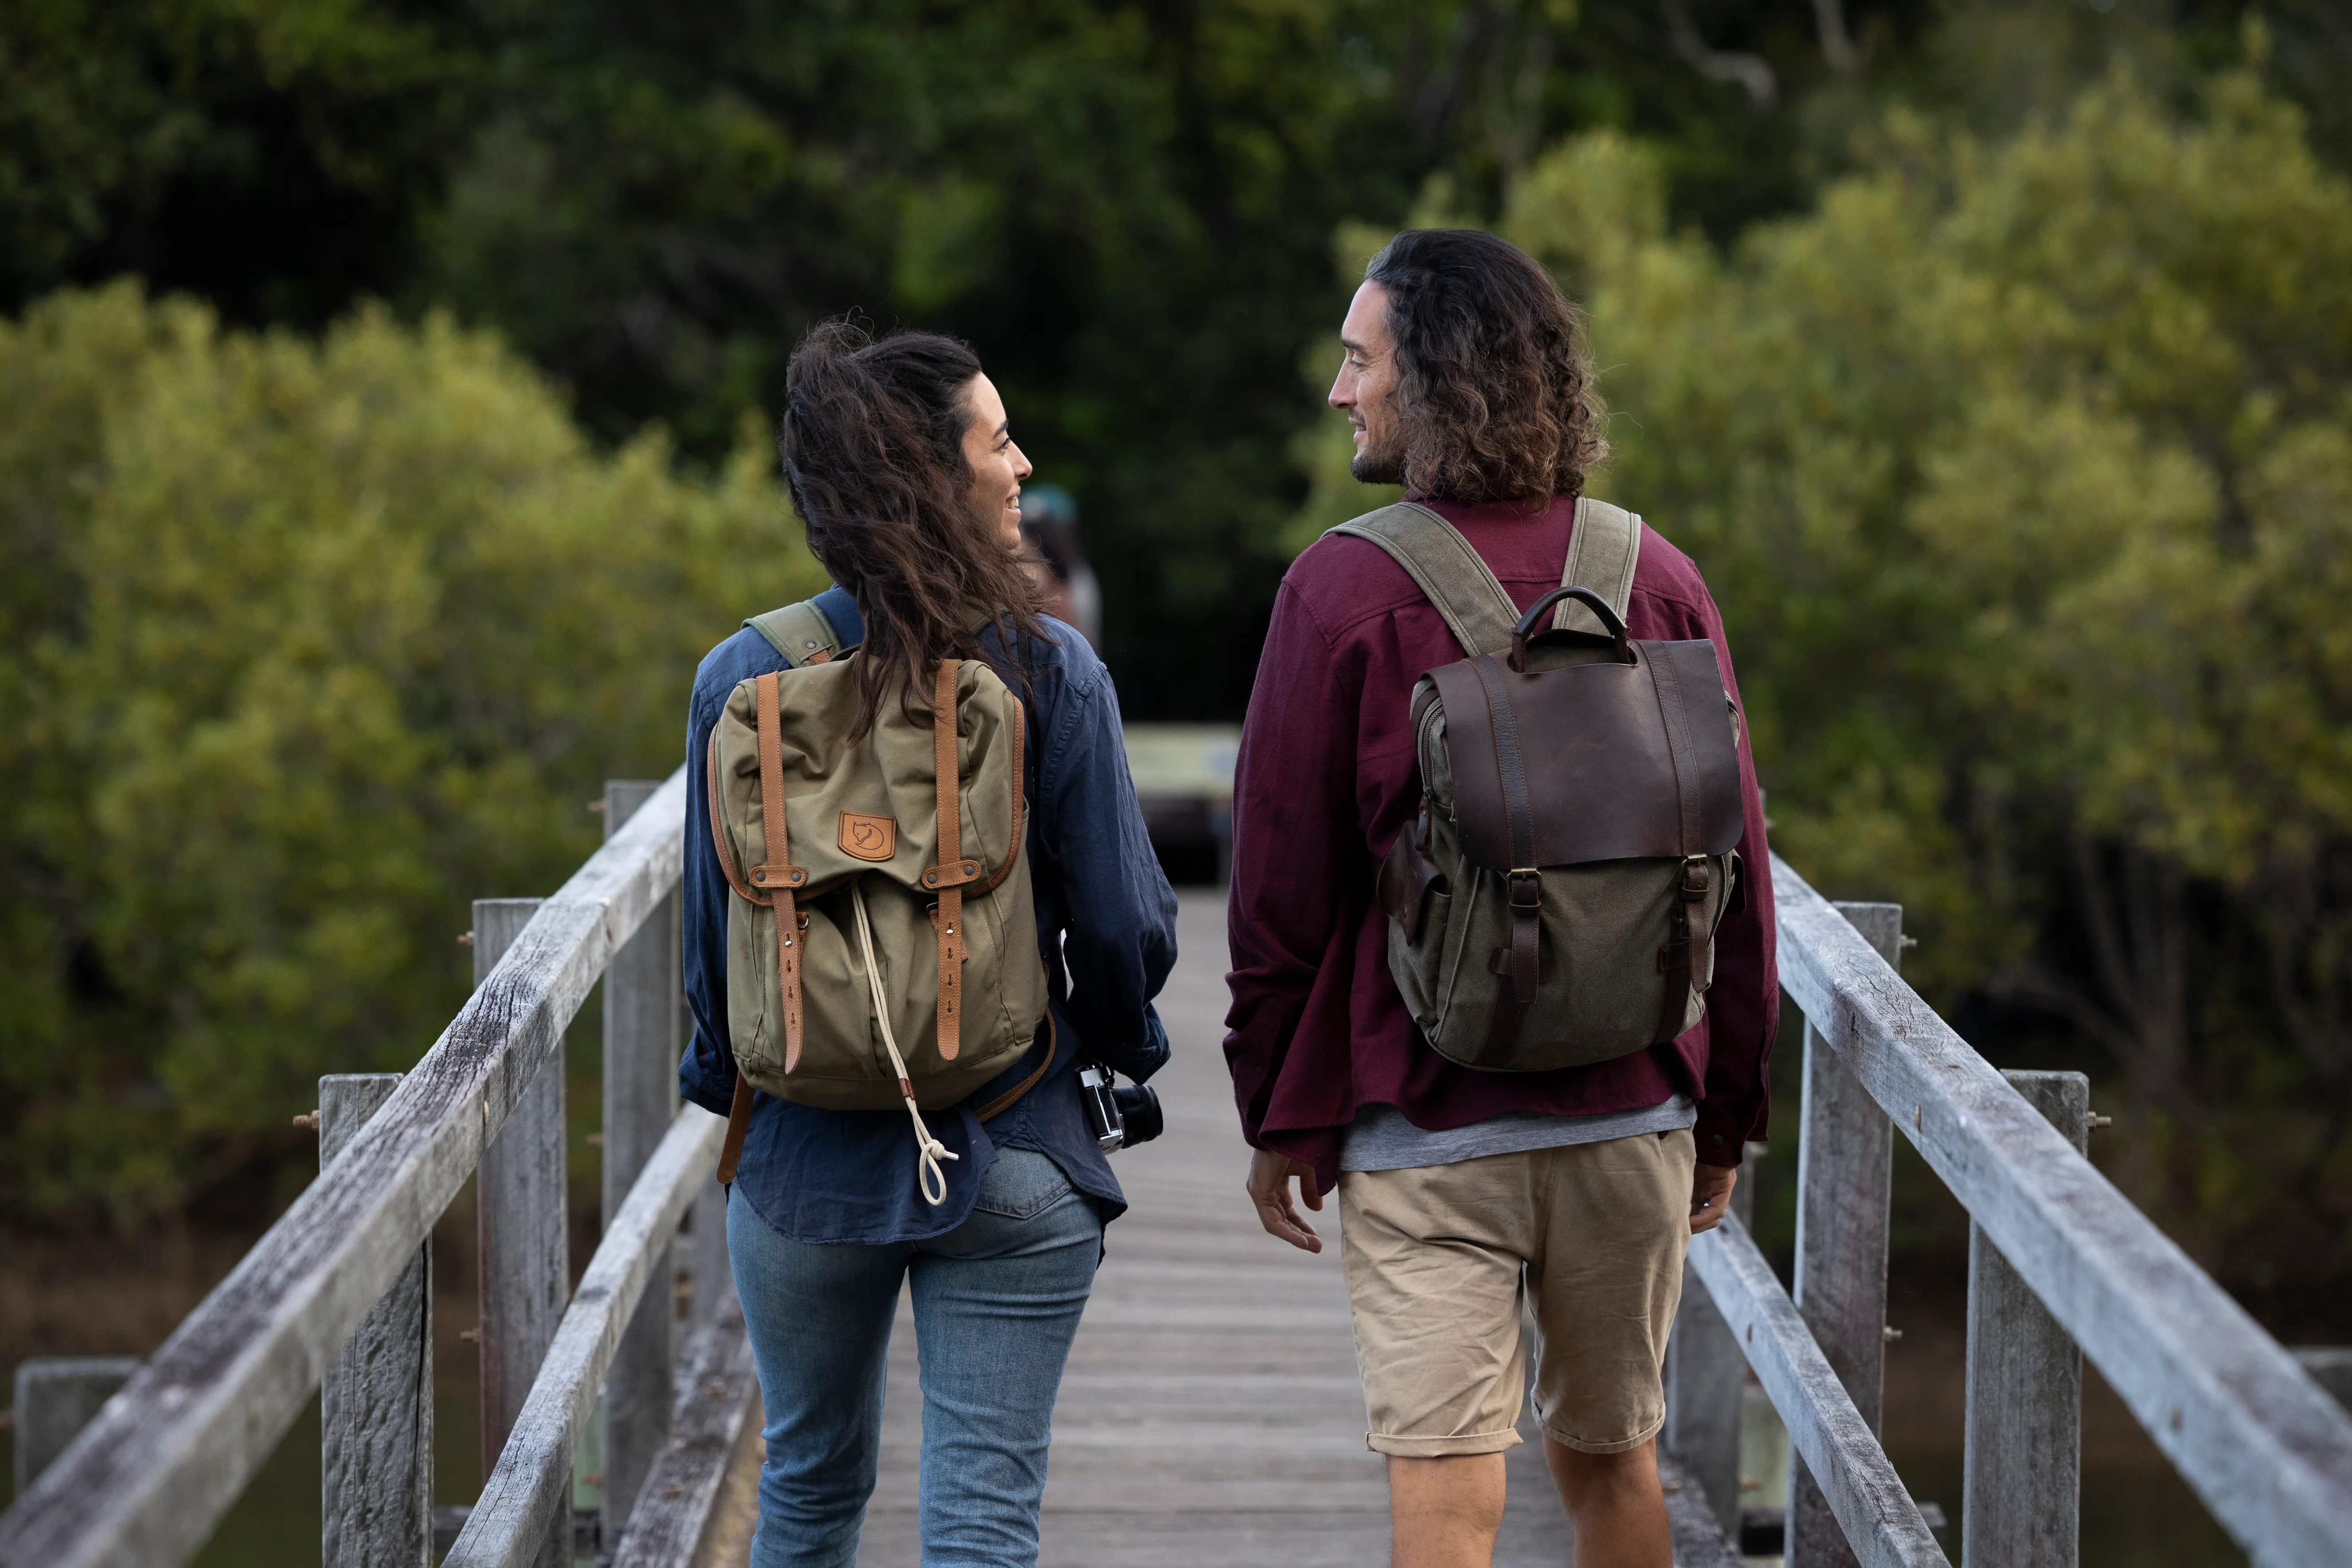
[(1049, 526)]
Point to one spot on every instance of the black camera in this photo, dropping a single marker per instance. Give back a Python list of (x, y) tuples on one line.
[(1121, 1116)]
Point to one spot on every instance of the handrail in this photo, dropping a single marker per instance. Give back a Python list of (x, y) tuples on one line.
[(146, 1481), (529, 1488), (1881, 1522), (2268, 1451)]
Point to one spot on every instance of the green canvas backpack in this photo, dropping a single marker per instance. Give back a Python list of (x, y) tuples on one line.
[(1554, 903), (882, 941)]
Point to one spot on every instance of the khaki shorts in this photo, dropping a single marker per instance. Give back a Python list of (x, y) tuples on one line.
[(1442, 1261)]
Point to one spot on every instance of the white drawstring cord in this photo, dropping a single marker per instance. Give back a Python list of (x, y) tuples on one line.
[(930, 1173)]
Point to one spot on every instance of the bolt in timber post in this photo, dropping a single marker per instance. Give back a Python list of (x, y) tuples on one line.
[(1845, 1178), (2021, 1493), (640, 1012), (525, 1272), (375, 1403)]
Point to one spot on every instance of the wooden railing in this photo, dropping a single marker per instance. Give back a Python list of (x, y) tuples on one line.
[(339, 1291), (2059, 1260)]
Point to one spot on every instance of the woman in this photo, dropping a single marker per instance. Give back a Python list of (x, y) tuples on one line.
[(905, 472)]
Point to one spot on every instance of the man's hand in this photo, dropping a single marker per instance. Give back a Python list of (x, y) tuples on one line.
[(1710, 1196), (1269, 1189)]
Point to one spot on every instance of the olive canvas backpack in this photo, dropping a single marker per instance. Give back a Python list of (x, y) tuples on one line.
[(881, 938), (1555, 900)]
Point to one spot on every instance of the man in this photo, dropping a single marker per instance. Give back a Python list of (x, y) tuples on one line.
[(1463, 1194)]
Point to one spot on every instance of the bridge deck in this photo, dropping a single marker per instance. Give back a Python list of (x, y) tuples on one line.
[(1212, 1413)]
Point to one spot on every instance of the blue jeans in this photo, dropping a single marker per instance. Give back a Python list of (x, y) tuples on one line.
[(996, 1304)]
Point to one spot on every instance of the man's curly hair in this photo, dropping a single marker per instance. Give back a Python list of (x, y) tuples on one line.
[(1495, 395)]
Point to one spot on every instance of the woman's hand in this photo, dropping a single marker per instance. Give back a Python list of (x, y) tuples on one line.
[(1269, 1189)]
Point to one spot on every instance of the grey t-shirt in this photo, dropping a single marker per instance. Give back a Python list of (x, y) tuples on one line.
[(1381, 1139)]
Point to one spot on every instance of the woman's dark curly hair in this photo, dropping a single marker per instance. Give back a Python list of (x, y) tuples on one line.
[(872, 439), (1495, 395)]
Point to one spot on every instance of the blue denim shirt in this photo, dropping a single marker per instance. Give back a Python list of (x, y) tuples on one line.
[(1106, 928)]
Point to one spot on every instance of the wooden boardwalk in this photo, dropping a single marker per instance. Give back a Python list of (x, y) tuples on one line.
[(1212, 1414)]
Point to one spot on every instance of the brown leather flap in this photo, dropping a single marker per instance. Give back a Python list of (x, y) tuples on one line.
[(1597, 743)]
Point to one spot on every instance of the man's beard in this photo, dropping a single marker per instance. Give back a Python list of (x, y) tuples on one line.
[(1378, 466)]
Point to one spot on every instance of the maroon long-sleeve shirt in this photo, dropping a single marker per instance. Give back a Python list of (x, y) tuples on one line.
[(1326, 780)]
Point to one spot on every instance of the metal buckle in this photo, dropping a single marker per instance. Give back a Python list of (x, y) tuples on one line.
[(1697, 877), (1534, 879)]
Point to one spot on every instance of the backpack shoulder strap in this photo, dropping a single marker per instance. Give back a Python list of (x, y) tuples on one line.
[(802, 633), (1604, 545), (1453, 576)]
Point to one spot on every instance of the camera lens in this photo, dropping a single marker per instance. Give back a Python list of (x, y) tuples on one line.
[(1140, 1107)]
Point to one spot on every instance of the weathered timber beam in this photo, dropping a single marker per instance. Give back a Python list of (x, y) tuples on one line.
[(1881, 1522), (2267, 1450), (642, 992), (375, 1403), (1846, 1189), (146, 1482), (2021, 1470), (1699, 1536), (673, 1512), (531, 1489), (56, 1397)]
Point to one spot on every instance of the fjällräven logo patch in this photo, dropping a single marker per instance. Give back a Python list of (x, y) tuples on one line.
[(868, 838)]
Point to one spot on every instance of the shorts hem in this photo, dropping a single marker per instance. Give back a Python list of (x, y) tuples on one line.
[(1442, 1447), (1585, 1446)]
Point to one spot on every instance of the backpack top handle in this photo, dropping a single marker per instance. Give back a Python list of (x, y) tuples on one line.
[(1525, 632)]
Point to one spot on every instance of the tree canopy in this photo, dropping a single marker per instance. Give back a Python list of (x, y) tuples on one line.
[(1990, 356), (312, 643)]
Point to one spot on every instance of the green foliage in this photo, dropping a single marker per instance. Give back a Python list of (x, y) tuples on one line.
[(319, 642), (2023, 472)]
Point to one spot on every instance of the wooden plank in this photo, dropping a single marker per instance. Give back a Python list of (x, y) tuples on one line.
[(712, 1277), (1846, 1189), (718, 1389), (642, 990), (526, 1498), (523, 1224), (1706, 1375), (375, 1402), (1877, 1514), (2331, 1367), (55, 1397), (1699, 1537), (1707, 1381), (2021, 1493), (1210, 1413), (147, 1480), (2265, 1448)]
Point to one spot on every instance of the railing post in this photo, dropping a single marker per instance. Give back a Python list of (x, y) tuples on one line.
[(526, 1270), (712, 1275), (1707, 1382), (56, 1397), (1846, 1177), (641, 1010), (375, 1430), (2022, 1477)]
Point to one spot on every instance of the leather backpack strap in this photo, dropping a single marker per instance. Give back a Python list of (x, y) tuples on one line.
[(1450, 574), (801, 632), (1604, 544), (777, 875), (739, 1121), (1691, 947), (949, 877)]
